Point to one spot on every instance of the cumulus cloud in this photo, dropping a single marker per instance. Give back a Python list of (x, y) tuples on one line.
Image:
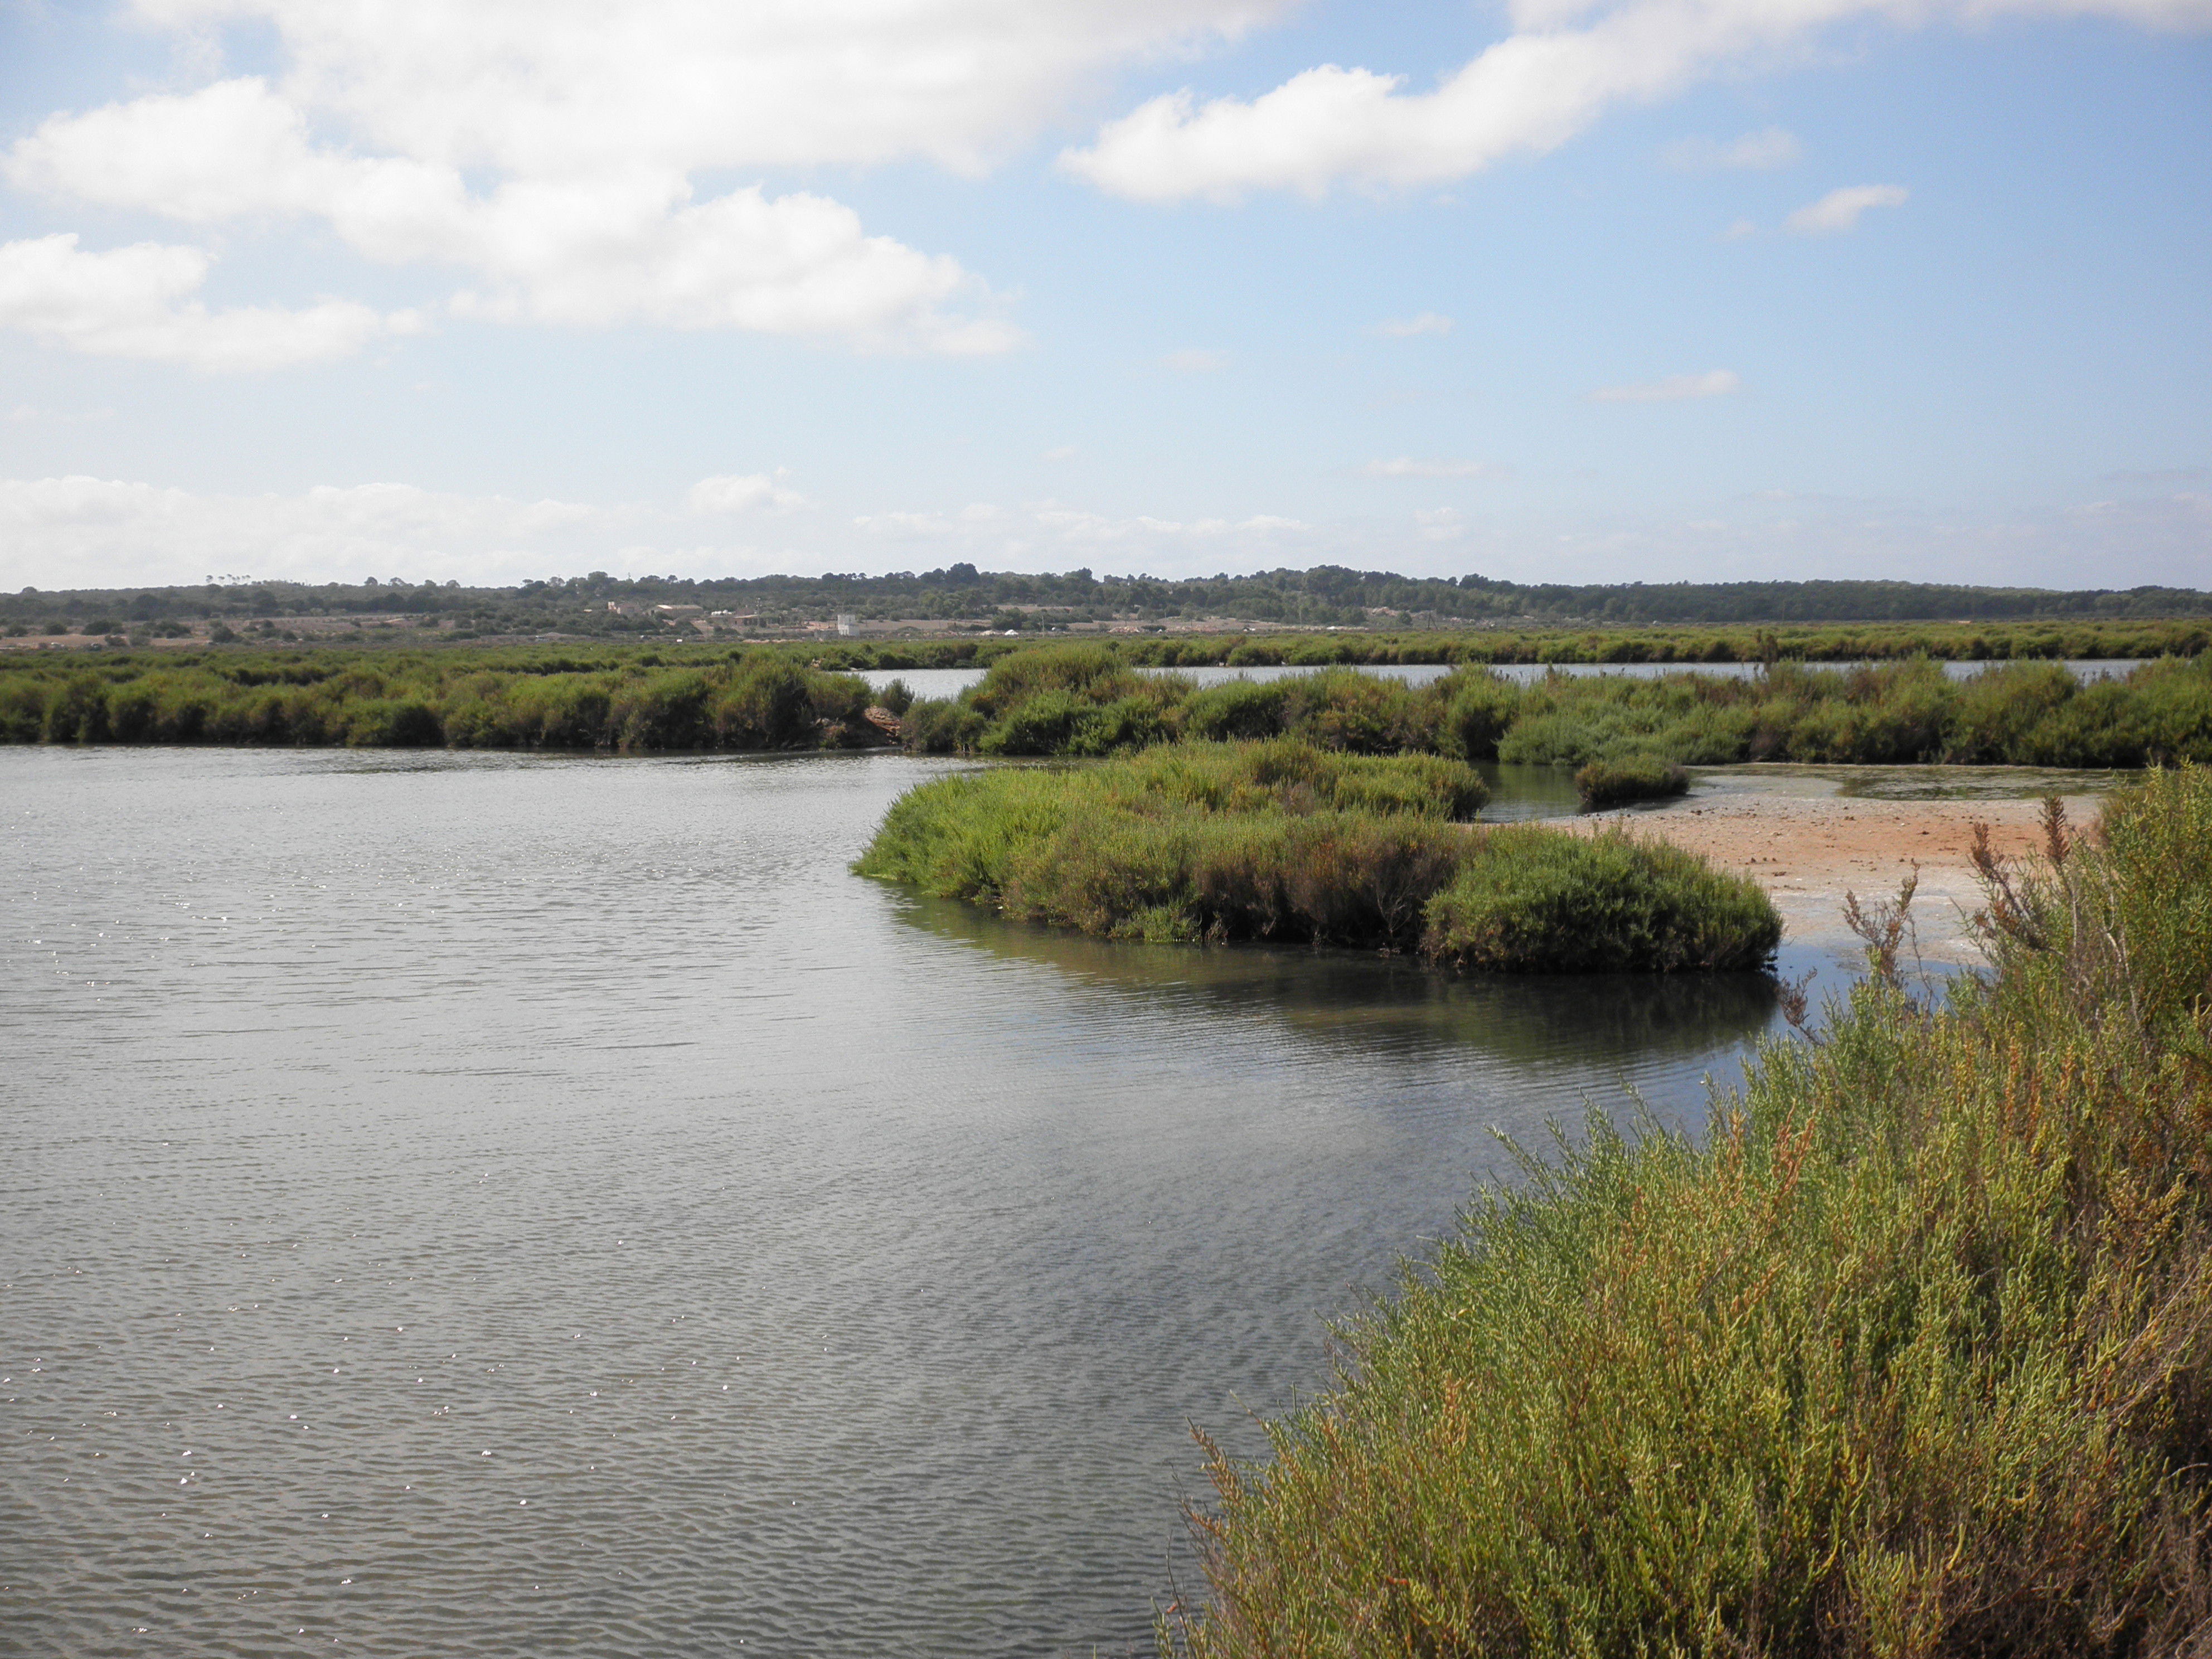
[(551, 88), (1566, 62), (1769, 148), (606, 248), (1840, 210), (748, 493), (1406, 466), (1405, 328), (136, 302), (1675, 388), (547, 148)]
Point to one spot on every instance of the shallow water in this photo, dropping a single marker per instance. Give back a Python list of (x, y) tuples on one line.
[(481, 1205), (950, 682)]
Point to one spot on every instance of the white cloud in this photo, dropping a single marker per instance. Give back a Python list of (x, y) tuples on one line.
[(1060, 452), (1195, 361), (1565, 64), (1405, 328), (92, 532), (553, 88), (593, 251), (134, 302), (1840, 210), (1769, 148), (1407, 466), (731, 492), (1739, 230), (1715, 383)]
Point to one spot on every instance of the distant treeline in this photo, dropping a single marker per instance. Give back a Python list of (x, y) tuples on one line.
[(1326, 596)]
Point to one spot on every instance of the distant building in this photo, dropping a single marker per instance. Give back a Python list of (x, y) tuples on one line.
[(847, 622), (678, 613)]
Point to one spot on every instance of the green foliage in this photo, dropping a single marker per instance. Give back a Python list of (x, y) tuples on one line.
[(1532, 900), (1908, 1358), (1036, 702), (1625, 778), (763, 700), (1283, 840)]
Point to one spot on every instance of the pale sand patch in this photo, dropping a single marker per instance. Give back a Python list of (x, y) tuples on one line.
[(1794, 832)]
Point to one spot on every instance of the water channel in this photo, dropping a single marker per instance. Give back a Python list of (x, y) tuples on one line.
[(516, 1206), (950, 682)]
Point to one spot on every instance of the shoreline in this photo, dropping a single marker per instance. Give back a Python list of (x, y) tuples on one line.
[(1810, 836)]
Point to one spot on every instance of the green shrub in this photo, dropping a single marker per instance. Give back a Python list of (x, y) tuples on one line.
[(1532, 900), (1907, 1358), (1478, 707), (1237, 708), (1622, 778), (388, 723), (1283, 841)]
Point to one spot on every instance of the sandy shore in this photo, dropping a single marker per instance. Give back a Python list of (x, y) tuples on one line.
[(1811, 836)]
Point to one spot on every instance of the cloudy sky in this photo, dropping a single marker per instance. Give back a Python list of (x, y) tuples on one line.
[(1546, 290)]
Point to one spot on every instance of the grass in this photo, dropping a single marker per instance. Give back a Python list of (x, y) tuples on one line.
[(1908, 1357), (1283, 840)]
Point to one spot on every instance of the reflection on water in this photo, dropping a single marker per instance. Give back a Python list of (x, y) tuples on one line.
[(507, 1206), (1634, 1023)]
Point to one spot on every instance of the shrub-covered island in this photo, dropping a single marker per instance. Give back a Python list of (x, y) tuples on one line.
[(1283, 840), (1913, 1356)]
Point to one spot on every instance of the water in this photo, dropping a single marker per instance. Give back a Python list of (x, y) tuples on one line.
[(479, 1205), (950, 682)]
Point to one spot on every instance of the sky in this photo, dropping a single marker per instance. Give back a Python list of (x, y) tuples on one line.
[(1565, 290)]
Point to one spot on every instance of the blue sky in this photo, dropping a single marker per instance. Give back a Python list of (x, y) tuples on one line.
[(1656, 290)]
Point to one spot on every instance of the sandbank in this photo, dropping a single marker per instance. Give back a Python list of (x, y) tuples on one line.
[(1812, 834)]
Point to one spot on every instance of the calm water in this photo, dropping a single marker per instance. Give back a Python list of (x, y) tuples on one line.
[(470, 1205), (950, 682)]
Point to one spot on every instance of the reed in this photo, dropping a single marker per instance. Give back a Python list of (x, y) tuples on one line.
[(637, 703), (1082, 700), (1906, 1358)]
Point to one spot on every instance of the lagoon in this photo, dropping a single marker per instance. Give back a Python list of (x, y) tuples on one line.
[(500, 1204)]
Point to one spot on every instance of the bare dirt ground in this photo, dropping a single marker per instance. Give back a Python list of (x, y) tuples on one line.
[(1808, 843)]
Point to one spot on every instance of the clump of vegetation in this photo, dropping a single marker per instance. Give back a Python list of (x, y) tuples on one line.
[(1625, 778), (1908, 1357), (1284, 840), (1083, 701), (637, 703), (1532, 900)]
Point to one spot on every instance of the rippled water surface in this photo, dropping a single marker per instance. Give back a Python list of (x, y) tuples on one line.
[(470, 1205)]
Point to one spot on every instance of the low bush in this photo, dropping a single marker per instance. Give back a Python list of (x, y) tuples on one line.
[(1627, 778), (1531, 899), (1908, 1357), (1284, 841), (752, 700)]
